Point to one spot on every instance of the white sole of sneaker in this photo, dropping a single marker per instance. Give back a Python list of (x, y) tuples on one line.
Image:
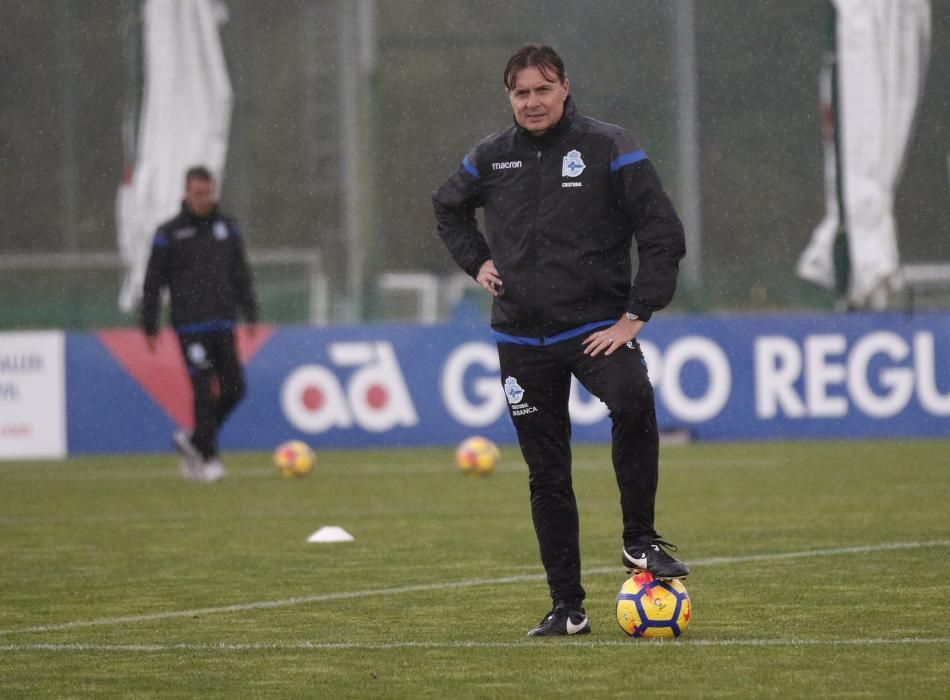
[(633, 571), (187, 472)]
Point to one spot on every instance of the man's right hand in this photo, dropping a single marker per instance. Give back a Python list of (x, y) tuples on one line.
[(489, 279), (152, 342)]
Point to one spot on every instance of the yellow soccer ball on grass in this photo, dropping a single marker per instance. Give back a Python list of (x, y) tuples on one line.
[(477, 455), (294, 459), (648, 607)]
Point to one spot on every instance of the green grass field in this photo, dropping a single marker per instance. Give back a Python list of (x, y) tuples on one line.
[(819, 570)]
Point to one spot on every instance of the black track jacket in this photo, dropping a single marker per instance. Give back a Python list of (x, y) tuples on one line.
[(561, 212), (202, 262)]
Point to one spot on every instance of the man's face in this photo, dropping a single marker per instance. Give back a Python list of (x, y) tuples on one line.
[(199, 196), (537, 100)]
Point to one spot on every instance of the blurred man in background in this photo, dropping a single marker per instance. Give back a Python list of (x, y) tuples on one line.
[(564, 198), (199, 256)]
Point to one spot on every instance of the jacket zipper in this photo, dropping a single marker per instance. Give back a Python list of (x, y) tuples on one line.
[(537, 214)]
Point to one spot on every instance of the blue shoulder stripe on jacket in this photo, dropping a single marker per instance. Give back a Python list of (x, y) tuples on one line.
[(470, 167), (160, 241), (627, 159)]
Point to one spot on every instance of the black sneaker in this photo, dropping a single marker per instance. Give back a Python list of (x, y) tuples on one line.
[(653, 556), (563, 620)]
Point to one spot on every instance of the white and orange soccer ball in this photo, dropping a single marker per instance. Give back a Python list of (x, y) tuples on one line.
[(648, 607), (294, 459), (477, 455)]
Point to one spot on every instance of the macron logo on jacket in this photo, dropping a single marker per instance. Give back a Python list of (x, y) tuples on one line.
[(497, 165)]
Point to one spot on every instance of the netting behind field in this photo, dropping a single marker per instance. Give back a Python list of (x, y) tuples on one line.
[(76, 292), (432, 90)]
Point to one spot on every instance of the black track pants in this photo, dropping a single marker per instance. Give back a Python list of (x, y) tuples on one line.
[(218, 382), (537, 383)]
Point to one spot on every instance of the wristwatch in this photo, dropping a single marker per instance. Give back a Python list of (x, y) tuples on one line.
[(632, 316)]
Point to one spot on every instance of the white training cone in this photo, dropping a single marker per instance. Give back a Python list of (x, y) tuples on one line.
[(330, 533)]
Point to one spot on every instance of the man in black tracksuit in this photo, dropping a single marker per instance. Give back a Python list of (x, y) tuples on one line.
[(199, 256), (564, 197)]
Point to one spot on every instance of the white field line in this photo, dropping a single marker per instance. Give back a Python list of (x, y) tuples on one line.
[(386, 646), (469, 583)]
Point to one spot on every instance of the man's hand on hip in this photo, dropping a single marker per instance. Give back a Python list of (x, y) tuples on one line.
[(613, 337), (489, 279)]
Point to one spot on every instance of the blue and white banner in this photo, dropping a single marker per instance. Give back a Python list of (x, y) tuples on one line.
[(828, 376), (32, 395), (719, 377)]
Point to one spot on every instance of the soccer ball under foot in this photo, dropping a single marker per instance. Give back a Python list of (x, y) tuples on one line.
[(648, 607)]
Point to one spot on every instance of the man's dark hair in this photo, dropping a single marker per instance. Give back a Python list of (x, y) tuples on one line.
[(540, 56), (198, 172)]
